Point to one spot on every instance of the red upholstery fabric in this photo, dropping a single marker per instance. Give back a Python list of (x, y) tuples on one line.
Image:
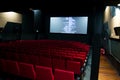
[(58, 63), (33, 59), (45, 61), (63, 75), (12, 67), (23, 58), (43, 53), (3, 65), (74, 66), (44, 73), (27, 71)]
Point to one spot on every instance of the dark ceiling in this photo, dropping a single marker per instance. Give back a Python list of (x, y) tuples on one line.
[(55, 5)]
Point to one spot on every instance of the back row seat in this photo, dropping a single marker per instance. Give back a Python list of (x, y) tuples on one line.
[(34, 72)]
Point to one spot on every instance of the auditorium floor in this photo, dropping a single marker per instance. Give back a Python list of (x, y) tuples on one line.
[(106, 70)]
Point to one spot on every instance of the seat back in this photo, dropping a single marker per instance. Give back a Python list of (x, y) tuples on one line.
[(3, 67), (27, 70), (74, 66), (63, 75), (44, 73), (12, 67), (58, 63), (45, 61)]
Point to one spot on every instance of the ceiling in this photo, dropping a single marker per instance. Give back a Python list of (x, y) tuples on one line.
[(55, 5)]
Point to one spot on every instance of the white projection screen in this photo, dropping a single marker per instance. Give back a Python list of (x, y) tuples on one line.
[(69, 25)]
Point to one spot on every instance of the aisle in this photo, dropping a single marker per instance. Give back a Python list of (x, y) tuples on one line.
[(106, 70), (88, 67)]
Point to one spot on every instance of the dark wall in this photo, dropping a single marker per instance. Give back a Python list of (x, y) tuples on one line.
[(115, 49), (37, 16), (114, 53), (38, 28), (11, 31), (105, 38), (86, 38), (27, 26), (40, 21), (74, 37), (97, 15)]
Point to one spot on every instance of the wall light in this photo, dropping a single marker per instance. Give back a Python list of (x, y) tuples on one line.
[(118, 4)]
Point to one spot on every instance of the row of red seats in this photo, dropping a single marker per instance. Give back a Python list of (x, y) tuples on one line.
[(32, 72), (48, 44), (68, 54), (40, 50), (71, 64), (53, 53)]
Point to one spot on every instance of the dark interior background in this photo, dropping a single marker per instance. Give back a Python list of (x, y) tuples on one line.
[(32, 22)]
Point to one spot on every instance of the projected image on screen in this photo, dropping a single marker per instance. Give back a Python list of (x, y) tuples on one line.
[(72, 25)]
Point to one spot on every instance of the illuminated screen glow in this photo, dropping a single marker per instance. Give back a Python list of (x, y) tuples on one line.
[(72, 25)]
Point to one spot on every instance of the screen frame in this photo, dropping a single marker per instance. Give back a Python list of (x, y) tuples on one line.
[(69, 33)]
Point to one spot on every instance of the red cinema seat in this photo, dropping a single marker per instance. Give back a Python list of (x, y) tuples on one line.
[(8, 55), (58, 63), (44, 73), (12, 67), (63, 75), (74, 66), (23, 58), (33, 59), (27, 71), (3, 67), (15, 57), (45, 61)]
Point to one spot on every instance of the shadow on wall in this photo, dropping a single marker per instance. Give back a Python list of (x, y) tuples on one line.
[(11, 31)]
